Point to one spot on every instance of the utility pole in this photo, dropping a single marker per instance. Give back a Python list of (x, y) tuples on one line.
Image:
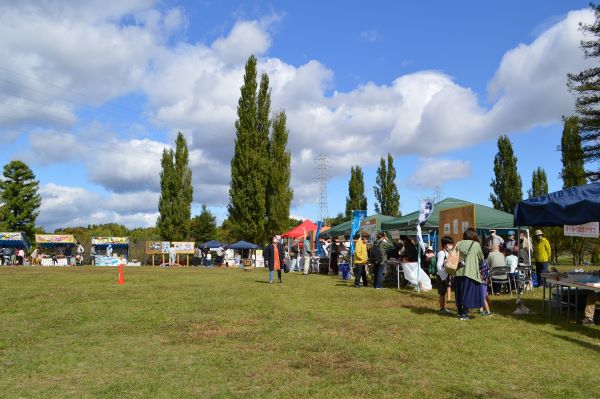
[(321, 179)]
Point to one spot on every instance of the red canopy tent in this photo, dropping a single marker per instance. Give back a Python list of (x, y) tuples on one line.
[(299, 230)]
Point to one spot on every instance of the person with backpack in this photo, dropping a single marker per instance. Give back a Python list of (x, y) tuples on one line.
[(444, 284), (379, 258), (467, 281)]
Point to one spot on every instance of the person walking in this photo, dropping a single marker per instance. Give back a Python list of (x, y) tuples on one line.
[(360, 261), (444, 285), (467, 282), (379, 258), (274, 257), (541, 254)]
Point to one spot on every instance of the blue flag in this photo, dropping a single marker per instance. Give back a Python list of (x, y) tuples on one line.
[(357, 216), (320, 251)]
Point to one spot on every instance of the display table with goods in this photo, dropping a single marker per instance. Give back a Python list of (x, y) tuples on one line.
[(110, 250), (564, 290), (56, 249)]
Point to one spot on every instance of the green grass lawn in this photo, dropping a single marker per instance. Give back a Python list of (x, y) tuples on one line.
[(73, 333)]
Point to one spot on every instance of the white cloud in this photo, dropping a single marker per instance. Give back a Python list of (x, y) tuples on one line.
[(435, 172), (370, 35), (75, 206)]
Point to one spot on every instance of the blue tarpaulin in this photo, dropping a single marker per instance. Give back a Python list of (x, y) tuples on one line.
[(571, 206), (243, 245)]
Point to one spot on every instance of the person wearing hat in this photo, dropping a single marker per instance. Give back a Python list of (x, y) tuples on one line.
[(511, 242), (274, 258), (541, 254), (495, 240)]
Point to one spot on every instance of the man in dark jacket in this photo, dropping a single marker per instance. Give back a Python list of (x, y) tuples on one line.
[(274, 258)]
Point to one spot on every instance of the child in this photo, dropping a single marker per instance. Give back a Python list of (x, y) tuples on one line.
[(444, 278), (484, 270)]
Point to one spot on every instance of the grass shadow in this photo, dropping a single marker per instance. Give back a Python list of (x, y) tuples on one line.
[(584, 344)]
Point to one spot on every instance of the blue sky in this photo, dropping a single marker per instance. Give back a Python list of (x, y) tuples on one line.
[(93, 92)]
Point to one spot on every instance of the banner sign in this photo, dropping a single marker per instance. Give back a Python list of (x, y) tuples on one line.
[(106, 261), (369, 227), (319, 248), (11, 237), (110, 240), (590, 230), (357, 216), (425, 209), (183, 247), (55, 239), (155, 247)]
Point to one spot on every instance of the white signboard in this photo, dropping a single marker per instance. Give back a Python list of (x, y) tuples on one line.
[(590, 230)]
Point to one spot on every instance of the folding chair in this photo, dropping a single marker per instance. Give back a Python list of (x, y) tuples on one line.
[(499, 275)]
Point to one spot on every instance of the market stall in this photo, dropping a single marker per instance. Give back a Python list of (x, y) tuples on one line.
[(253, 252), (9, 242), (108, 251), (56, 249)]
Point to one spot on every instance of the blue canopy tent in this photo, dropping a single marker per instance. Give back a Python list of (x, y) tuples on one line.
[(14, 240), (571, 206), (245, 246), (211, 244)]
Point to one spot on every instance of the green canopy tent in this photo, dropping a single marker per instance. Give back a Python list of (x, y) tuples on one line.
[(485, 217), (343, 229)]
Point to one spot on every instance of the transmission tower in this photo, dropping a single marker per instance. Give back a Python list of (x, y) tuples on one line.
[(321, 179)]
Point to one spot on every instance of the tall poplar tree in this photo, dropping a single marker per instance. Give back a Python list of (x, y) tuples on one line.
[(249, 166), (573, 171), (19, 198), (539, 183), (356, 199), (507, 185), (386, 191), (279, 194), (584, 85), (573, 174), (176, 193)]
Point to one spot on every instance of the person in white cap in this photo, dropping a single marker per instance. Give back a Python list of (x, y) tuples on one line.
[(541, 254)]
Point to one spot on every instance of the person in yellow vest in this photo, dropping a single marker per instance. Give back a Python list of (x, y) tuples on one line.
[(360, 260), (541, 254)]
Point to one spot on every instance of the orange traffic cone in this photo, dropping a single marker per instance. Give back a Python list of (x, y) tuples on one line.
[(121, 275)]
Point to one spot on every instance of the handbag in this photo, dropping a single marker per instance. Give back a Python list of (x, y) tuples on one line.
[(453, 261)]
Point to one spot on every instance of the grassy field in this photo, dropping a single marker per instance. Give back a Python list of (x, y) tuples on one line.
[(73, 333)]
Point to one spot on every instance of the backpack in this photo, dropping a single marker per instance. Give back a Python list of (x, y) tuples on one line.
[(376, 255), (453, 261)]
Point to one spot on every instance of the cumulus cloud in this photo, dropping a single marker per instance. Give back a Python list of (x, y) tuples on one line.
[(435, 172), (75, 206), (107, 51)]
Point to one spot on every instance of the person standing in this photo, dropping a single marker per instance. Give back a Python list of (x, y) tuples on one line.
[(274, 258), (172, 255), (306, 253), (360, 261), (541, 254), (379, 258), (511, 242), (335, 255), (495, 240), (294, 265), (467, 282), (20, 256), (444, 285)]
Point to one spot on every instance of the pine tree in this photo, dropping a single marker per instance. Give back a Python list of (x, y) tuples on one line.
[(573, 174), (356, 199), (539, 183), (19, 198), (174, 205), (573, 171), (204, 226), (386, 191), (586, 88), (249, 165), (279, 194), (507, 186)]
